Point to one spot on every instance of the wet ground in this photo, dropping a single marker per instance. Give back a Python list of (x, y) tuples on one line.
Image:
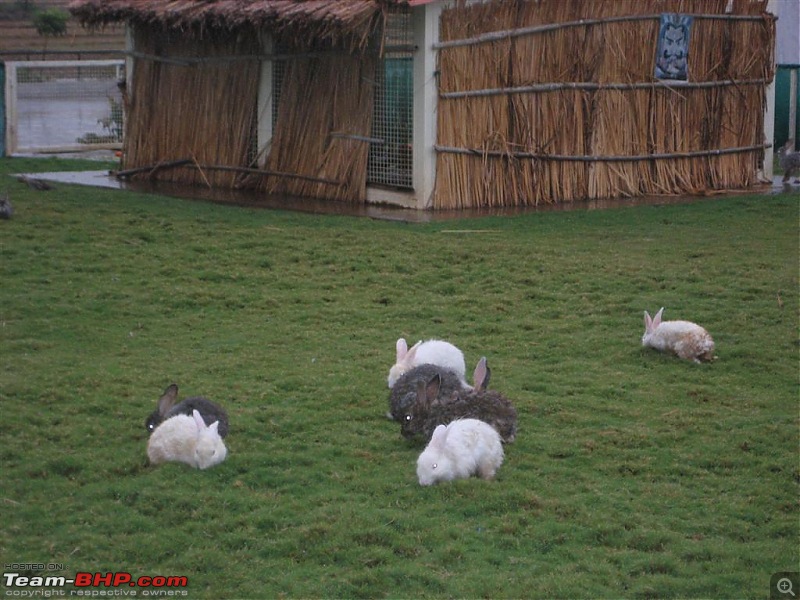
[(252, 199)]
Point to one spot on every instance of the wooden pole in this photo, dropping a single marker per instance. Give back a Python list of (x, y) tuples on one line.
[(192, 164), (578, 158), (590, 86)]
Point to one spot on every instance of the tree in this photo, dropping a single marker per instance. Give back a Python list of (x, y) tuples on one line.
[(51, 23)]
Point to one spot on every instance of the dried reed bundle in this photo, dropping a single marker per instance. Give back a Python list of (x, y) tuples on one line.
[(322, 96), (206, 113), (510, 148)]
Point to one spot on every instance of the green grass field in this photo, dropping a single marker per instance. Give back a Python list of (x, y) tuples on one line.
[(633, 475)]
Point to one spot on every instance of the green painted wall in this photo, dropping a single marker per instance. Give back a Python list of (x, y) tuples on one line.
[(782, 90)]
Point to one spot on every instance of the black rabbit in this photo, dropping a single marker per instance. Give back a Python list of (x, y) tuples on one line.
[(167, 408)]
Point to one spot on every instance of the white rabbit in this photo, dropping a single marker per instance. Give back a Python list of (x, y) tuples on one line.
[(188, 440), (459, 450), (430, 352), (685, 339)]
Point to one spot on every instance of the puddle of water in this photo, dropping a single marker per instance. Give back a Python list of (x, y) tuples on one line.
[(251, 199), (90, 178)]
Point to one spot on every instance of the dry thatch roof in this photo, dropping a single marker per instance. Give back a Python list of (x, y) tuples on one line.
[(328, 20)]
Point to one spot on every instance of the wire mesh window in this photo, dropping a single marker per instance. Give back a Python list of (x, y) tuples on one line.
[(390, 160), (66, 105), (278, 72)]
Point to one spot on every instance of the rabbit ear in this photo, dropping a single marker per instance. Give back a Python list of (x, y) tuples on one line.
[(439, 436), (648, 322), (427, 392), (481, 375), (401, 347), (214, 427), (657, 318), (409, 357), (198, 419), (168, 399)]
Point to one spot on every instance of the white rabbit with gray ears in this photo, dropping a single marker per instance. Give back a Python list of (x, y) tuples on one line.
[(684, 339), (430, 352)]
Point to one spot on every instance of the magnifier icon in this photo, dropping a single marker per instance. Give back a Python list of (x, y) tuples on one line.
[(784, 586)]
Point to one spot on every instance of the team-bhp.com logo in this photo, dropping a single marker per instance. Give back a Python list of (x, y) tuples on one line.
[(93, 584)]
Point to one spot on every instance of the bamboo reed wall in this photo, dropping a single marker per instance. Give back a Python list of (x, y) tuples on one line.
[(324, 118), (202, 111), (192, 115), (574, 111)]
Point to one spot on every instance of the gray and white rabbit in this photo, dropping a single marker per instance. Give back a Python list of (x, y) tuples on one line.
[(404, 392), (167, 408), (188, 440), (429, 352), (788, 160), (431, 408), (6, 208), (460, 450), (685, 339)]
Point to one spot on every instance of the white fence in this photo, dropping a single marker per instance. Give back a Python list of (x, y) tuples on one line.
[(63, 106)]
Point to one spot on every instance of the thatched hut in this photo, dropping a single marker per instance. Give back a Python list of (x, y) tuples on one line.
[(435, 104)]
